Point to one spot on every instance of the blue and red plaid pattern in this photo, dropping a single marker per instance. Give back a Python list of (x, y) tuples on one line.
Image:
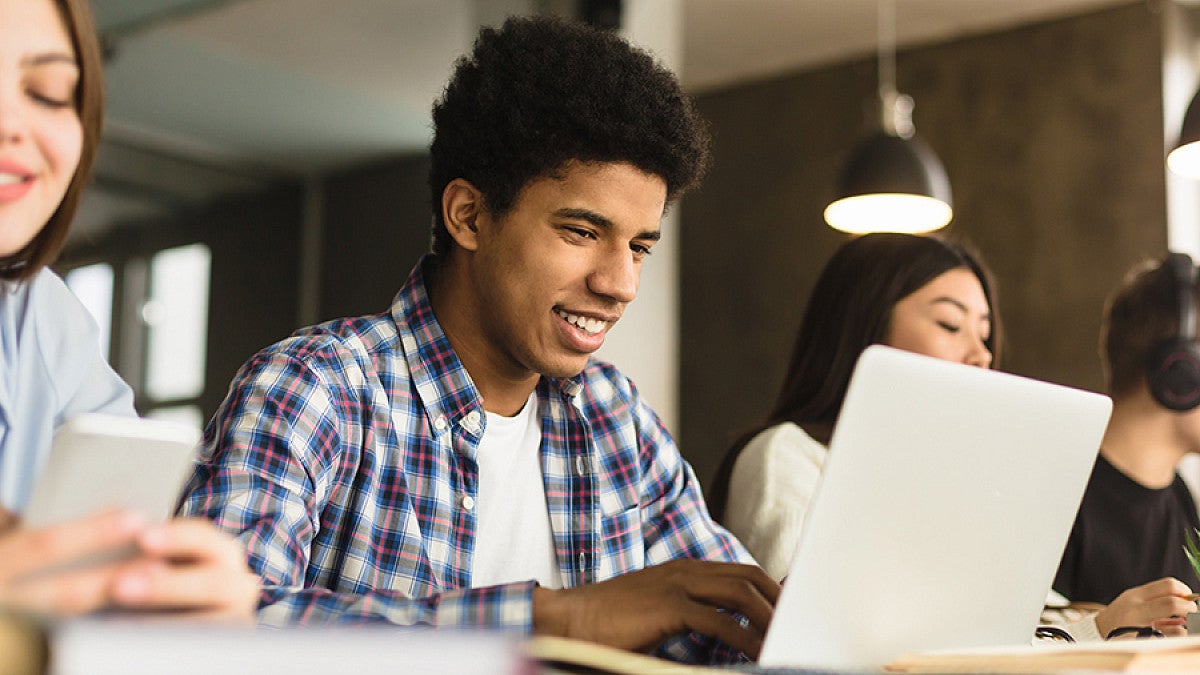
[(342, 456)]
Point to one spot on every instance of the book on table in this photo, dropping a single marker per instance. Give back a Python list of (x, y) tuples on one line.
[(128, 645), (1154, 655)]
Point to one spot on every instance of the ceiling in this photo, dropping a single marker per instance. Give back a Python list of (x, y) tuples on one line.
[(209, 97)]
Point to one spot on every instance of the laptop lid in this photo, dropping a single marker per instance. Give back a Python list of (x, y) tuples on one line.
[(941, 516)]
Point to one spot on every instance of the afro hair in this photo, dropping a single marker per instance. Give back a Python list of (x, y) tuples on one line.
[(540, 92)]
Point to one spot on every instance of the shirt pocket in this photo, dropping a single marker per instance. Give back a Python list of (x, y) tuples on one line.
[(622, 546)]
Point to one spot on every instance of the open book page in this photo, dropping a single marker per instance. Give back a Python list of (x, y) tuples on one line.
[(1180, 654), (571, 656)]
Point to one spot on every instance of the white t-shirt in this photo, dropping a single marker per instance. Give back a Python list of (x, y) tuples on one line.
[(513, 540)]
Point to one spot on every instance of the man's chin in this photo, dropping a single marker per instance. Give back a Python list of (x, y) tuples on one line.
[(566, 368)]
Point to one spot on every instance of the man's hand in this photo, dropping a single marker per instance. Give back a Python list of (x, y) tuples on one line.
[(190, 566), (1160, 604), (639, 610), (32, 573)]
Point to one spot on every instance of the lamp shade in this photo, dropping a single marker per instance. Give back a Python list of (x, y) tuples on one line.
[(1185, 158), (891, 184)]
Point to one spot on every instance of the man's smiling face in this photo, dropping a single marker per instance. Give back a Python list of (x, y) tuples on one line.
[(554, 273)]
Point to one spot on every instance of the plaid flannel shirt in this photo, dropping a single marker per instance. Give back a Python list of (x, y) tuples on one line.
[(344, 456)]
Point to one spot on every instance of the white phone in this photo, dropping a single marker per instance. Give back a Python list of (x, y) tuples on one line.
[(100, 461)]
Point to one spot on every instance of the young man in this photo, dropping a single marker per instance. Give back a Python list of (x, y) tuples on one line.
[(1137, 511), (460, 459)]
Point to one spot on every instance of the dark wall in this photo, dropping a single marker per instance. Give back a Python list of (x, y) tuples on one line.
[(1052, 137), (376, 227), (252, 300)]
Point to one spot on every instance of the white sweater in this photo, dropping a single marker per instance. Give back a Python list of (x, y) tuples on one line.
[(769, 492)]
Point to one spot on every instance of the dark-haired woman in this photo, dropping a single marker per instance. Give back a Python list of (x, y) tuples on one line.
[(925, 294), (921, 293)]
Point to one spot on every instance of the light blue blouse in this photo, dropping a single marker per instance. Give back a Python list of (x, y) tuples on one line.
[(52, 371)]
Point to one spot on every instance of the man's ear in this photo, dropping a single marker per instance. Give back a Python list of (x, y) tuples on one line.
[(462, 206)]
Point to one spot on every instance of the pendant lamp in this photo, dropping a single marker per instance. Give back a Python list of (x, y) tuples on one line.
[(1184, 159), (893, 181)]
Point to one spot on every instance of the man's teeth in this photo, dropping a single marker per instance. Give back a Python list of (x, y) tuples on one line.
[(589, 326)]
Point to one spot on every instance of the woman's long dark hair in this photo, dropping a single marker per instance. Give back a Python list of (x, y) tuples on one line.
[(850, 309)]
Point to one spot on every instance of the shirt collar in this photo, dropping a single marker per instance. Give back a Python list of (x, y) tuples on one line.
[(445, 387)]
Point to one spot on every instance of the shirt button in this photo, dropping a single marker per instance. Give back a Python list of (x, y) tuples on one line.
[(470, 422), (440, 424), (468, 502)]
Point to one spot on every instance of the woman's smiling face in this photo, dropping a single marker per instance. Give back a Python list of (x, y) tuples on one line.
[(41, 137)]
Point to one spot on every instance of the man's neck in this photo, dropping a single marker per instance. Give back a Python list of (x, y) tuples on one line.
[(1143, 441), (503, 390)]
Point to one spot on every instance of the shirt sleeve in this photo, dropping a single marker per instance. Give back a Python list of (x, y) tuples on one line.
[(70, 346), (676, 524), (508, 607), (265, 474)]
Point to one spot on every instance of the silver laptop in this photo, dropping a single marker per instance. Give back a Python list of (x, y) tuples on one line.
[(941, 516)]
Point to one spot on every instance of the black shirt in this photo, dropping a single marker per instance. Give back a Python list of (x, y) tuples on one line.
[(1126, 535)]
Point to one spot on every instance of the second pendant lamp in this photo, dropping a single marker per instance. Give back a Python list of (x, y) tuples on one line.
[(1184, 159), (892, 181)]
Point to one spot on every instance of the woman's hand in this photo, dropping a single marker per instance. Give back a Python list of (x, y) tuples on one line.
[(186, 566), (190, 566), (1161, 604), (8, 520), (40, 570)]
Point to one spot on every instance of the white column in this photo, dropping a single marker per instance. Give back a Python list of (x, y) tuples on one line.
[(645, 344), (1183, 194)]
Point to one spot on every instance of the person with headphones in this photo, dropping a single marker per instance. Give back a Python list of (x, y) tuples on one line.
[(1137, 511)]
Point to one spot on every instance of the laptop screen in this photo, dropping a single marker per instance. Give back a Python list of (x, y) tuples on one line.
[(941, 516)]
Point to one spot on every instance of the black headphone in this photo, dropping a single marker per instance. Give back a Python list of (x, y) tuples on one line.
[(1174, 369)]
